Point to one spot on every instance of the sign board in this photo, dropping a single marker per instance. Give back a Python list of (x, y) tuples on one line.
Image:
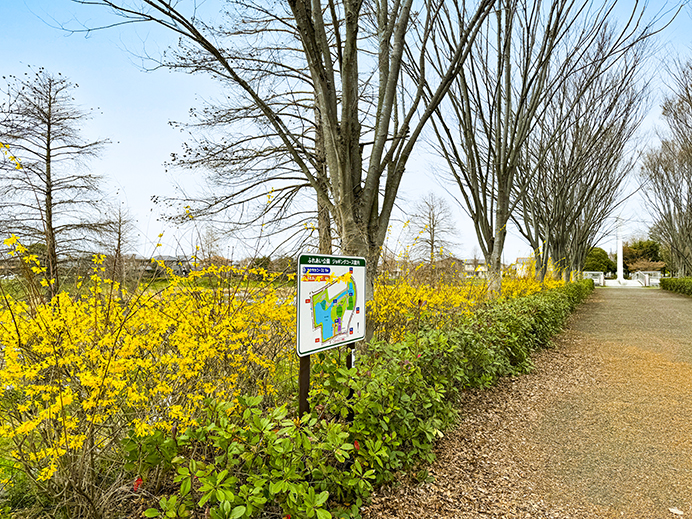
[(331, 302)]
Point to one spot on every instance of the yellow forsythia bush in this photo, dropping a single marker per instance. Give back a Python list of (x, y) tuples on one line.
[(525, 286), (78, 372), (400, 306)]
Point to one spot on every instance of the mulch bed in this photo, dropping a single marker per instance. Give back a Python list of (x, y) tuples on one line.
[(602, 428)]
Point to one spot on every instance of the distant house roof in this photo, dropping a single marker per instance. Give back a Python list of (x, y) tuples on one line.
[(451, 259)]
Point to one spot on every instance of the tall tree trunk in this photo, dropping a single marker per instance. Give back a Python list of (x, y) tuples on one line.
[(495, 268), (540, 266), (324, 219), (51, 248), (498, 245)]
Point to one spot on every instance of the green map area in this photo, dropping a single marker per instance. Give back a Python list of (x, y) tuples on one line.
[(329, 313)]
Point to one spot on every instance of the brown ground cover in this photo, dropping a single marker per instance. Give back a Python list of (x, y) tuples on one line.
[(601, 428)]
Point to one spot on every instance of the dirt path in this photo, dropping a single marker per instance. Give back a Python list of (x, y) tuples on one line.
[(601, 428)]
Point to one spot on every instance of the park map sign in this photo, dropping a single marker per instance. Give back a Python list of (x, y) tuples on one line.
[(331, 302)]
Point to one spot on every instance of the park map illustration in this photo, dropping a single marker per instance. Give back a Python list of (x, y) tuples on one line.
[(331, 302), (333, 307)]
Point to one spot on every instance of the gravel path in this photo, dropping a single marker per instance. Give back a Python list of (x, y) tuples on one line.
[(601, 428)]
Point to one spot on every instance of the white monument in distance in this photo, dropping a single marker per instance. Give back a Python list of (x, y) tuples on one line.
[(621, 281)]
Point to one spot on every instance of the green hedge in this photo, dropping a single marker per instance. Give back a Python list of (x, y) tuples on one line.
[(679, 285), (401, 397)]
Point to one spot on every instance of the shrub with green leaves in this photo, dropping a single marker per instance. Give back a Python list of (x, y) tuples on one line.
[(368, 423), (238, 465), (679, 285)]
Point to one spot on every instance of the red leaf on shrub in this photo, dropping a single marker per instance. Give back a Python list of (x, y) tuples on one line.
[(138, 483), (356, 444)]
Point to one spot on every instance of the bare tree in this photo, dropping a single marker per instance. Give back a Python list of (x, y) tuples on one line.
[(667, 177), (48, 199), (521, 58), (578, 157), (433, 227), (251, 176), (354, 51), (667, 173), (116, 240)]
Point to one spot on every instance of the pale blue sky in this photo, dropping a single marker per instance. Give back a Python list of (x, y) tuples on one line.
[(136, 106)]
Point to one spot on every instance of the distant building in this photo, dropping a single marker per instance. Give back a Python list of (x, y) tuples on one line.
[(524, 267), (449, 262), (475, 268), (598, 277), (179, 265)]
